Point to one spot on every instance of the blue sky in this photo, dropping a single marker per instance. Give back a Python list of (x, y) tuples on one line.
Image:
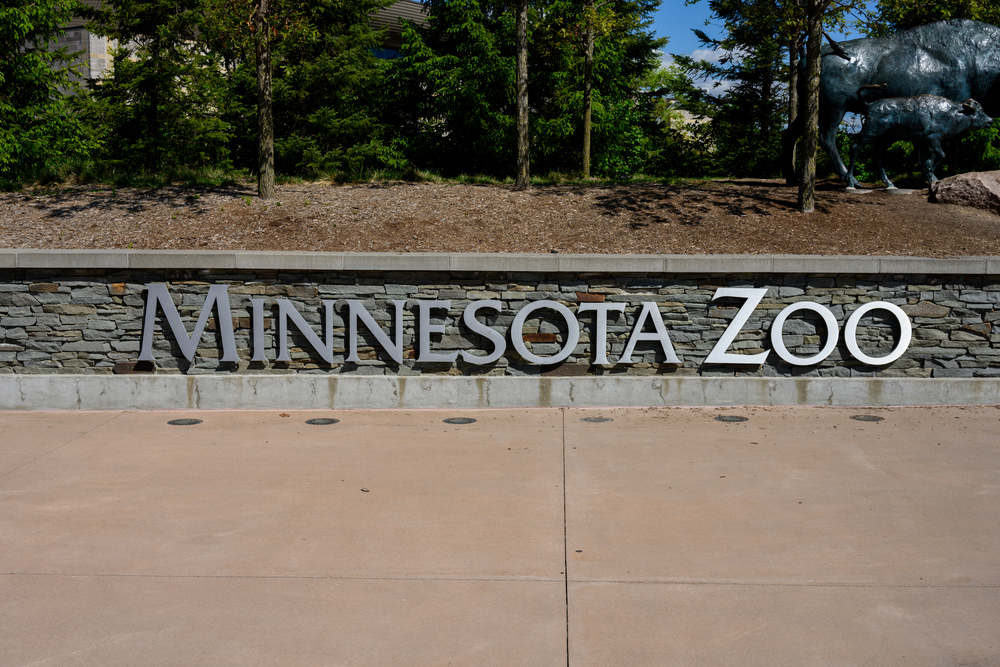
[(675, 20)]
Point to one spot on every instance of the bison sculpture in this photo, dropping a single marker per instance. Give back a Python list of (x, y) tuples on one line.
[(957, 59), (926, 120)]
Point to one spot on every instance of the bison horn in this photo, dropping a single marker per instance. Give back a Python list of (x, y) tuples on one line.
[(838, 50), (968, 110)]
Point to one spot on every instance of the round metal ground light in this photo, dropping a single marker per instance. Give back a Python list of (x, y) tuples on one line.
[(866, 418), (184, 422), (731, 418), (596, 420), (460, 420), (322, 421)]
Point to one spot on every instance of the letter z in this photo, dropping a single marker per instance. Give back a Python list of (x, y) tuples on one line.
[(718, 355)]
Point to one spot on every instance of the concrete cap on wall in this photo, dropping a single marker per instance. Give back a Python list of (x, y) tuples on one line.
[(495, 262)]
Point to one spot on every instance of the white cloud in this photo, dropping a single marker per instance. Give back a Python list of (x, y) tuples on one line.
[(711, 55)]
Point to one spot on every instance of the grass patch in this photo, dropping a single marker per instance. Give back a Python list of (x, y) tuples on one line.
[(87, 172)]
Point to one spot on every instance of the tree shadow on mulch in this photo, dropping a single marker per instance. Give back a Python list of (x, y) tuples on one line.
[(689, 203), (69, 202)]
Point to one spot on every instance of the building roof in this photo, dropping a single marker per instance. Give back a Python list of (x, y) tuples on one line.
[(404, 9)]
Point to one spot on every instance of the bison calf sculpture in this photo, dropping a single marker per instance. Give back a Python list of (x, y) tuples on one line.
[(926, 120)]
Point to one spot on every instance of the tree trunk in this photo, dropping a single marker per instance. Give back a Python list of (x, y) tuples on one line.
[(793, 87), (152, 117), (265, 117), (764, 127), (793, 79), (810, 128), (588, 82), (523, 145)]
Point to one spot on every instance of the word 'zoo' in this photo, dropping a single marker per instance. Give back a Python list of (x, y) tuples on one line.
[(218, 295)]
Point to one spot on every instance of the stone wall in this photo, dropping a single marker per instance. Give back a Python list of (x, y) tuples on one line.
[(89, 321)]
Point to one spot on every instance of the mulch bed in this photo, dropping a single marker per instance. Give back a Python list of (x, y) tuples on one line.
[(699, 217)]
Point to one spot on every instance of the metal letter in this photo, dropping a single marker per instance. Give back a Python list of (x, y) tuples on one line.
[(217, 295), (851, 330), (832, 334), (572, 334), (650, 311), (357, 309), (286, 311), (475, 326), (601, 329), (258, 329), (718, 355), (424, 353)]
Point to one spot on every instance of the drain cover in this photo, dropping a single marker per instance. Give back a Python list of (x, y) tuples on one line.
[(596, 420), (731, 418), (866, 418), (184, 422), (322, 421), (460, 420)]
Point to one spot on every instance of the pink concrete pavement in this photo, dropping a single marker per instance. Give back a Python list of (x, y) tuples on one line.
[(799, 537)]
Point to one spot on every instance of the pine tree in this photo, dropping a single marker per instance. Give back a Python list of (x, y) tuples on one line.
[(36, 129), (160, 103)]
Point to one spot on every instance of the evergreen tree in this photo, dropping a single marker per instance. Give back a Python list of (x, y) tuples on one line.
[(745, 128), (160, 105), (36, 129), (328, 93), (609, 50), (453, 89)]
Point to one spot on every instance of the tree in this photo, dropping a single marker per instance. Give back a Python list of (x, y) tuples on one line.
[(814, 11), (255, 26), (36, 130), (892, 16), (612, 19), (744, 126), (265, 100), (453, 89), (328, 93), (523, 138), (159, 108)]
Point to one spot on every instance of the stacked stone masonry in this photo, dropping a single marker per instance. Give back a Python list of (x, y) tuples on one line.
[(90, 321)]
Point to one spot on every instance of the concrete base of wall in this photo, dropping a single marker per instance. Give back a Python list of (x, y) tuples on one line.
[(68, 392)]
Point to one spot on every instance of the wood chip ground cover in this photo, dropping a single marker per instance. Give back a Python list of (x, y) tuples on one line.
[(703, 217)]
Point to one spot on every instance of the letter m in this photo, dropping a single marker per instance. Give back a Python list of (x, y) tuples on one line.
[(218, 295)]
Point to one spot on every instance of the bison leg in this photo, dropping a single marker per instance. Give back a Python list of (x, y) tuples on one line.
[(937, 159), (829, 123), (879, 147), (931, 156), (788, 139), (855, 149)]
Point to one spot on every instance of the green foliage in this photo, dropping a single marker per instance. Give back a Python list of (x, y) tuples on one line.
[(894, 15), (36, 129), (453, 90), (749, 115), (979, 151), (622, 146), (160, 108), (626, 53), (328, 94)]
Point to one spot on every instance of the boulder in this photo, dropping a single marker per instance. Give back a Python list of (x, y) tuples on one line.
[(980, 189)]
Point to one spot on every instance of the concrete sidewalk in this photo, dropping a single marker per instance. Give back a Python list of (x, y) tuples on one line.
[(530, 537)]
